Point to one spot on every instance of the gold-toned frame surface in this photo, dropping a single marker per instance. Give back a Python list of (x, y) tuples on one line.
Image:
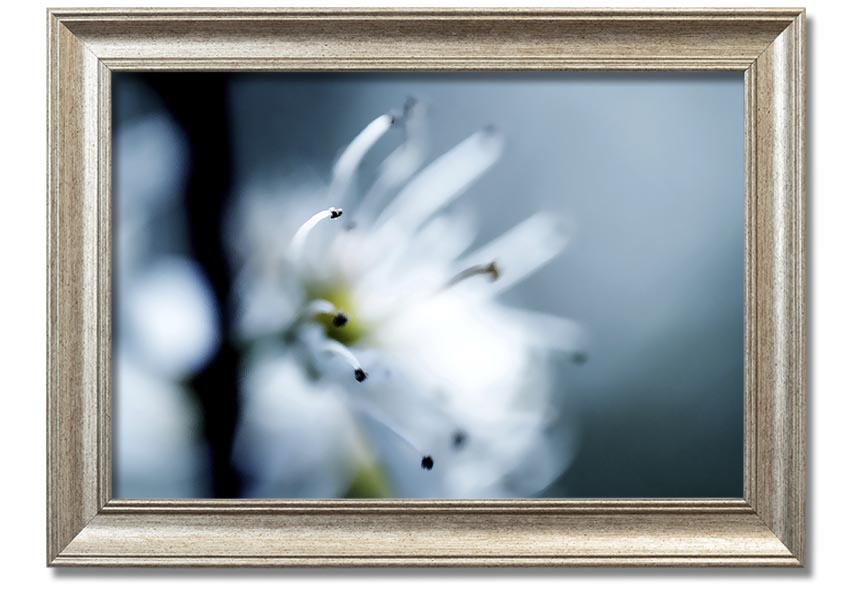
[(87, 527)]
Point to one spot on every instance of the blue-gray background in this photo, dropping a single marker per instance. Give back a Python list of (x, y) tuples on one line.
[(649, 170)]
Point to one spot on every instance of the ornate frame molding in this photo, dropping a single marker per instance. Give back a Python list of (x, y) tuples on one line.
[(87, 527)]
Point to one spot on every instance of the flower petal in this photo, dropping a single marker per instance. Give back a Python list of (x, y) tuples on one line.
[(350, 159), (520, 251), (442, 181)]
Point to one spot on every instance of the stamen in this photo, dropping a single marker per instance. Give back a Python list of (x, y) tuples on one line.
[(372, 412), (352, 156), (490, 268), (402, 162), (334, 347), (458, 439), (320, 307), (326, 307), (523, 249), (300, 237)]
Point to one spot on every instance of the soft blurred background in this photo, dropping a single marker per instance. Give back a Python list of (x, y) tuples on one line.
[(647, 169)]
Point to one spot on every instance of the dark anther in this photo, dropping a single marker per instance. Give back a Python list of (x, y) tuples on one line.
[(427, 463), (360, 375), (336, 212), (493, 270), (579, 358), (340, 319), (458, 439)]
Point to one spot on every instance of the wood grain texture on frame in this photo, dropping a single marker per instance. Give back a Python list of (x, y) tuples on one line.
[(87, 527)]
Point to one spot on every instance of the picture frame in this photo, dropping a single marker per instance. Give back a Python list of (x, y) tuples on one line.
[(87, 527)]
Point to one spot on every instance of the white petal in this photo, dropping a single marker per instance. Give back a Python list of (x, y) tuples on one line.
[(545, 330), (399, 166), (295, 438), (416, 269), (397, 169), (520, 251), (442, 181), (350, 159)]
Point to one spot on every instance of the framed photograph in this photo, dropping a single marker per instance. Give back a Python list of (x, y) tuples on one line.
[(426, 287)]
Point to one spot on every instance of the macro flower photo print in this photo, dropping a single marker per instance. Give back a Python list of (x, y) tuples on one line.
[(427, 285)]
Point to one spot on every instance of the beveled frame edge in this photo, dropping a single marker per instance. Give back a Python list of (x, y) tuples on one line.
[(87, 527)]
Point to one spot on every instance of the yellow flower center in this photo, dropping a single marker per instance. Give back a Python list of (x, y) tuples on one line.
[(354, 329)]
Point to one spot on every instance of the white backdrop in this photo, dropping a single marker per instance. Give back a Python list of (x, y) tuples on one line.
[(22, 366)]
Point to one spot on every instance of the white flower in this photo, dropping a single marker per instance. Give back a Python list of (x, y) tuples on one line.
[(165, 320), (157, 451), (378, 348), (171, 317)]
